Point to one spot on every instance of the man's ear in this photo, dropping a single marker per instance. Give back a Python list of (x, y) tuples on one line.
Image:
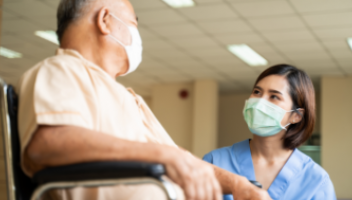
[(103, 21), (297, 116)]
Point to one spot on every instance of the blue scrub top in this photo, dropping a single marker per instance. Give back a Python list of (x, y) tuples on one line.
[(300, 178)]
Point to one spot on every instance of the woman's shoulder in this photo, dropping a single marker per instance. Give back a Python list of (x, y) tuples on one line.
[(318, 177), (310, 167), (225, 152)]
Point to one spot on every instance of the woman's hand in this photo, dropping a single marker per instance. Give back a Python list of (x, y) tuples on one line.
[(195, 177)]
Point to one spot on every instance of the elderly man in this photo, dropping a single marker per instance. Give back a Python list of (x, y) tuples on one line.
[(72, 110)]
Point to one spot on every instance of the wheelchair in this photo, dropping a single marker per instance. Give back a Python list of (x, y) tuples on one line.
[(95, 174)]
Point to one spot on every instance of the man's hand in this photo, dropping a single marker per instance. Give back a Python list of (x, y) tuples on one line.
[(245, 190), (196, 178)]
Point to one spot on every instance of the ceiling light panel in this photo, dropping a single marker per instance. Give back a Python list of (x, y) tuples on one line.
[(180, 3), (9, 53), (349, 41), (48, 35), (247, 54)]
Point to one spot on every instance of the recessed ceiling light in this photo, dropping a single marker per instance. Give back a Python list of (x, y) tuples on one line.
[(180, 3), (9, 53), (48, 35), (247, 54), (349, 41)]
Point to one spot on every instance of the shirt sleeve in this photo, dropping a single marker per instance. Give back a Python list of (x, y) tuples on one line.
[(58, 92), (208, 158), (326, 191), (61, 95)]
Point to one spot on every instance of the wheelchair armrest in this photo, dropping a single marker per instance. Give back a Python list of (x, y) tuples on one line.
[(99, 171)]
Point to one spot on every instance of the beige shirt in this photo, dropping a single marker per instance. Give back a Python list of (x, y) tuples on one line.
[(67, 89)]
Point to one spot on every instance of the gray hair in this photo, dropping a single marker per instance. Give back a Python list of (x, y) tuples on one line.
[(67, 12)]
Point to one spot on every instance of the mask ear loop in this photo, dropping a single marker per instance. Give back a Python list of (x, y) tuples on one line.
[(123, 24), (296, 110)]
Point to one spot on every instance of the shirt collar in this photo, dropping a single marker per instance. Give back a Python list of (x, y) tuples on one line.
[(290, 170), (243, 155), (76, 54), (293, 166)]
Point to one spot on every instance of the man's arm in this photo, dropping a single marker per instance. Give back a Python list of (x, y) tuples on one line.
[(63, 145), (238, 186)]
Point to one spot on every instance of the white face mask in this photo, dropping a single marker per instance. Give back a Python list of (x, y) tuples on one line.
[(133, 51)]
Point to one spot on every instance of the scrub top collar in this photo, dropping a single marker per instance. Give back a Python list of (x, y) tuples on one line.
[(291, 169)]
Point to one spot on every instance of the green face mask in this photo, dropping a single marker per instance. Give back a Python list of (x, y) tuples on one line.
[(264, 118)]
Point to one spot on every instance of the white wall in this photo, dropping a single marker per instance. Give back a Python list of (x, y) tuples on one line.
[(205, 115), (232, 127), (174, 113), (336, 110), (191, 122)]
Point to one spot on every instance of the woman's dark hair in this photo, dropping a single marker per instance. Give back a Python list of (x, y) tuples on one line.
[(303, 96)]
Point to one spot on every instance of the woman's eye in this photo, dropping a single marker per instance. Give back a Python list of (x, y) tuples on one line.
[(256, 92), (275, 97)]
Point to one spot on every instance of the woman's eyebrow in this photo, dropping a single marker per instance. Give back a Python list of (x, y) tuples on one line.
[(259, 88), (275, 91)]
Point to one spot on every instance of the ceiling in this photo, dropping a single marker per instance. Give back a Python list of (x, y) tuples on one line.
[(190, 43)]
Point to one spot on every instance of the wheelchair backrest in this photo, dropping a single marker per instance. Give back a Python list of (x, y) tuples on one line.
[(19, 186)]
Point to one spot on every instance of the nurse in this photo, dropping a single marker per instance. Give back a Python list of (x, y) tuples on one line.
[(280, 113)]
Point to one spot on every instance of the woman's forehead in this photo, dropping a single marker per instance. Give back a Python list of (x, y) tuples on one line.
[(274, 82)]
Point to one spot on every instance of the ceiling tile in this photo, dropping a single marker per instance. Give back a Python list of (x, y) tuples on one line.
[(156, 44), (321, 5), (315, 63), (322, 72), (146, 34), (208, 52), (342, 54), (30, 8), (336, 45), (177, 30), (52, 3), (263, 8), (190, 63), (9, 15), (164, 16), (296, 57), (315, 66), (278, 23), (225, 26), (329, 19), (140, 5), (19, 26), (37, 41), (235, 69), (171, 53), (299, 47), (248, 38), (194, 42), (223, 60), (334, 33), (292, 35), (45, 23), (201, 2), (209, 12), (159, 72)]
